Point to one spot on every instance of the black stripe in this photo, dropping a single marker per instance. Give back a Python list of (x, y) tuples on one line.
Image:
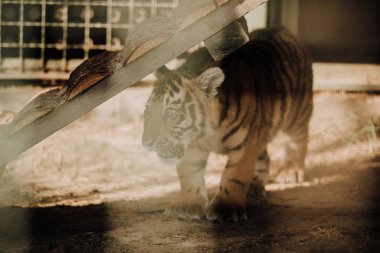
[(176, 102), (236, 128), (285, 77), (263, 156), (257, 108), (303, 84), (239, 146), (173, 85), (304, 98), (272, 56), (224, 95), (284, 59), (230, 165), (267, 87), (238, 91), (264, 85), (174, 88), (231, 132), (237, 182)]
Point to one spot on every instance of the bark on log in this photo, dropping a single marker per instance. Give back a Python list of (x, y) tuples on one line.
[(142, 38)]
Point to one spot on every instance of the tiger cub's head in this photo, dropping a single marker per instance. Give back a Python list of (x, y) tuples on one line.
[(176, 111)]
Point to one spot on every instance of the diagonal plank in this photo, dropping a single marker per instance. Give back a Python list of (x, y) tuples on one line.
[(134, 71)]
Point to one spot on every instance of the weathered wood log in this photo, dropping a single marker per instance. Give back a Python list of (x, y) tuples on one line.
[(93, 88), (92, 71)]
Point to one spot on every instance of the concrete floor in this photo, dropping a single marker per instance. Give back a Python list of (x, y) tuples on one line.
[(336, 217)]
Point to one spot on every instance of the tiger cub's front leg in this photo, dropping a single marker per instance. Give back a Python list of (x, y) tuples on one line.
[(192, 201), (228, 204)]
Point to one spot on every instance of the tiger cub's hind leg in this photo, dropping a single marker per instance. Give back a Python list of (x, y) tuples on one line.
[(292, 170), (192, 202), (260, 179), (262, 167)]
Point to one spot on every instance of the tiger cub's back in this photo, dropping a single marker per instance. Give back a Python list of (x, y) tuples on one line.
[(275, 70)]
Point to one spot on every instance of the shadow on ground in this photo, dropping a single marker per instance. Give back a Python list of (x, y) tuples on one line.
[(337, 216), (56, 229)]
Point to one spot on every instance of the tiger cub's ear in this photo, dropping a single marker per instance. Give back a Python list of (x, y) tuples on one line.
[(210, 80)]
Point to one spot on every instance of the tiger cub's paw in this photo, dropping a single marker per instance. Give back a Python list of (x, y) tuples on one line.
[(222, 211), (290, 176), (257, 189), (188, 207)]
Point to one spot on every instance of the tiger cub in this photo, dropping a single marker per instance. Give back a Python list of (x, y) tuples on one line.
[(232, 107)]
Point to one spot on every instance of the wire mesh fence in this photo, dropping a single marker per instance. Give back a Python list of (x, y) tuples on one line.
[(49, 38)]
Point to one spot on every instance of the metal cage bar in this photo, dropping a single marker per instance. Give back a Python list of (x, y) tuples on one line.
[(1, 24), (43, 31), (21, 36)]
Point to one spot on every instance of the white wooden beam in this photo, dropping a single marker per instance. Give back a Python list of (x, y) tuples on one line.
[(134, 71)]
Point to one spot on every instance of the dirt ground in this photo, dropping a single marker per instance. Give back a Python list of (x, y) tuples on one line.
[(91, 187)]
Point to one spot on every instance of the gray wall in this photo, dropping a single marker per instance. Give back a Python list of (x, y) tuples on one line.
[(333, 30)]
